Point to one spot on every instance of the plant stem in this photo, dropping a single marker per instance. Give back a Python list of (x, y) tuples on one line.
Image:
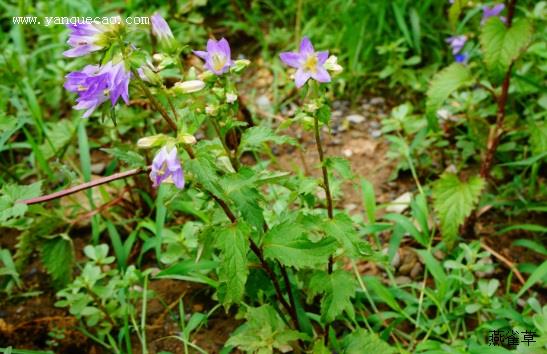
[(497, 130), (84, 186), (326, 186), (157, 106)]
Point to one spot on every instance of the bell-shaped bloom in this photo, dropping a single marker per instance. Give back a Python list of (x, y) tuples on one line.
[(96, 84), (456, 43), (84, 38), (307, 62), (166, 168), (161, 30), (495, 10), (217, 57)]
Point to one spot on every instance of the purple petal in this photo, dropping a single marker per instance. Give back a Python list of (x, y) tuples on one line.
[(224, 47), (178, 178), (321, 74), (201, 54), (212, 46), (301, 77), (322, 56), (305, 46), (291, 59)]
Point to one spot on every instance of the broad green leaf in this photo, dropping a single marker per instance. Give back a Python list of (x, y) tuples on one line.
[(442, 85), (361, 341), (340, 165), (233, 243), (290, 244), (254, 138), (131, 158), (58, 257), (204, 173), (10, 210), (342, 229), (337, 288), (454, 200), (241, 191), (501, 46), (263, 332)]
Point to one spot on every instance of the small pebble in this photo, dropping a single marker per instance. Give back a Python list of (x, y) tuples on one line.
[(355, 119)]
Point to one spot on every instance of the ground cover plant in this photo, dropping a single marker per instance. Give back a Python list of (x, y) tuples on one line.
[(273, 176)]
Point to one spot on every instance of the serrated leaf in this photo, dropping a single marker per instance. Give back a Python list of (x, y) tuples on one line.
[(501, 45), (203, 172), (341, 228), (289, 243), (10, 210), (233, 243), (337, 288), (241, 191), (58, 257), (454, 200), (340, 165), (361, 341), (263, 332), (254, 138), (131, 158), (442, 85)]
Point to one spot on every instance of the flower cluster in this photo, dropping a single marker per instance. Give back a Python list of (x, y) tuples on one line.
[(109, 81), (457, 43)]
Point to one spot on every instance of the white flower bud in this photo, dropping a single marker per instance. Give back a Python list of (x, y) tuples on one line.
[(189, 86), (239, 65), (211, 110), (151, 141), (231, 97), (332, 65)]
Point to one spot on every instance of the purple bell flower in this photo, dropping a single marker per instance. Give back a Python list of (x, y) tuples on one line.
[(166, 168), (488, 12), (217, 57), (161, 30), (456, 43), (96, 84), (307, 62), (83, 39)]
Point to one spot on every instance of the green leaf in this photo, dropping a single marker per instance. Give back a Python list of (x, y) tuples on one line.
[(538, 275), (442, 85), (263, 332), (454, 13), (10, 210), (369, 200), (501, 46), (58, 257), (131, 158), (289, 243), (340, 165), (241, 191), (361, 341), (454, 200), (337, 288), (254, 138), (233, 271), (342, 229)]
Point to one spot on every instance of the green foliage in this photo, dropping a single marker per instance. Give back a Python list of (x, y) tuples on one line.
[(442, 85), (501, 45), (362, 341), (58, 258), (263, 332), (454, 200), (10, 210), (233, 243), (338, 288), (290, 243)]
